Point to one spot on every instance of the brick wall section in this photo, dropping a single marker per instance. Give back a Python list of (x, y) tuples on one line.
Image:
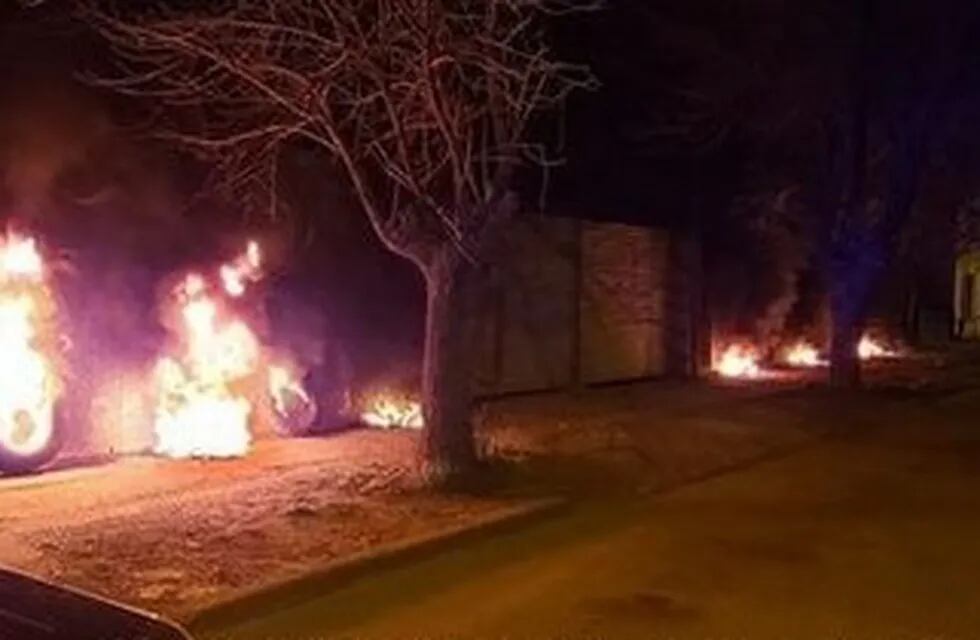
[(582, 303), (622, 299)]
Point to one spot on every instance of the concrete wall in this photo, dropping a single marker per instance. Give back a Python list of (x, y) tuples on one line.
[(527, 340), (577, 302)]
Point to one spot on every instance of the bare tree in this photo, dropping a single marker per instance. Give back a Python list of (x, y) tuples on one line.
[(427, 105)]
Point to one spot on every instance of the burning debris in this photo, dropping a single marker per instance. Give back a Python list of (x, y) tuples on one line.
[(294, 407), (739, 360), (209, 393), (30, 381), (390, 411), (870, 348), (200, 412), (207, 388), (236, 275), (803, 354), (745, 360)]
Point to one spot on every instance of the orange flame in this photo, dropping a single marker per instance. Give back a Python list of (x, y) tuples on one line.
[(738, 361), (246, 268), (282, 382), (202, 411), (803, 354), (869, 348), (20, 258), (387, 411), (29, 384)]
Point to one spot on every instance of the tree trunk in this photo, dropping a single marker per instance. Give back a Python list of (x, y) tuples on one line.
[(853, 277), (849, 276), (846, 324), (452, 285)]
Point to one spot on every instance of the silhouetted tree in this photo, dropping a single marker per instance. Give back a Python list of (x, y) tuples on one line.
[(838, 108), (426, 105)]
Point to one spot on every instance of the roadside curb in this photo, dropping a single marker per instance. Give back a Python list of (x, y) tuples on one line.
[(60, 595), (340, 571)]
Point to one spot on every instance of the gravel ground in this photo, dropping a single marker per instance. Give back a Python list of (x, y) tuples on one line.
[(177, 536), (652, 436)]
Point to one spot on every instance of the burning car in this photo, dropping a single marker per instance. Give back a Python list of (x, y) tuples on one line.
[(213, 383)]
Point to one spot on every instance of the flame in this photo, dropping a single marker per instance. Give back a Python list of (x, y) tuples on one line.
[(202, 411), (281, 384), (387, 411), (738, 361), (803, 354), (20, 258), (868, 348), (198, 419), (245, 268), (29, 384)]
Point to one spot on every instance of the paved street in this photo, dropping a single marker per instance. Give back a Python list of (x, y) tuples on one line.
[(34, 610), (875, 535)]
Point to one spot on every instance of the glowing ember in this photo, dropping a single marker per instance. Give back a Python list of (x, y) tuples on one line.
[(203, 410), (29, 384), (868, 348), (803, 354), (390, 412), (738, 361)]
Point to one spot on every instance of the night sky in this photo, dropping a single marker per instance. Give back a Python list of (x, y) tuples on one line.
[(708, 115)]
